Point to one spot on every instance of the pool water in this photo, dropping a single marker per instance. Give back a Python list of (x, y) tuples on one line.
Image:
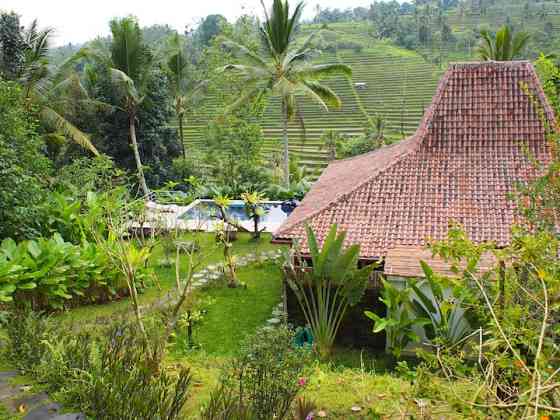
[(207, 211)]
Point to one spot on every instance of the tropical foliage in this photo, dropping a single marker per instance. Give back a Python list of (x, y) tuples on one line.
[(504, 46), (327, 287), (54, 90), (23, 168), (51, 272), (285, 69)]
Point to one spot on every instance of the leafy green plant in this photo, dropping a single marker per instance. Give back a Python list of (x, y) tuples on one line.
[(51, 272), (504, 46), (255, 210), (400, 320), (106, 375), (329, 286), (263, 381), (26, 333), (224, 234), (122, 367), (447, 324)]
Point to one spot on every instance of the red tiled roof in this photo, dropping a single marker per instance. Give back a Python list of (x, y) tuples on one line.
[(405, 262), (472, 147)]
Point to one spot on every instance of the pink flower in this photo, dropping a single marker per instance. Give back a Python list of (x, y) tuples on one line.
[(302, 381)]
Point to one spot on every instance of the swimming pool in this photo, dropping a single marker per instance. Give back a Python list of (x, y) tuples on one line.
[(203, 214)]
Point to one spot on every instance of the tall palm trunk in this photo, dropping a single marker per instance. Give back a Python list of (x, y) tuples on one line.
[(181, 136), (141, 178), (286, 143)]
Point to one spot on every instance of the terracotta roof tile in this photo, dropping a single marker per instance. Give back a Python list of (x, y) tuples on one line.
[(467, 155), (405, 262)]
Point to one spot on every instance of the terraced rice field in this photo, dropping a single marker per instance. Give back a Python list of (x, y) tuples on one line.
[(399, 84)]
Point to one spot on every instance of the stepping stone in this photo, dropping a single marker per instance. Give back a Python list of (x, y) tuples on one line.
[(43, 412), (71, 416), (32, 400), (274, 321), (277, 313), (8, 392), (198, 275), (7, 374)]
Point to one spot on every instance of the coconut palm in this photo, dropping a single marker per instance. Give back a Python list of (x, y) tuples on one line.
[(329, 140), (504, 46), (53, 90), (129, 62), (283, 68), (182, 92)]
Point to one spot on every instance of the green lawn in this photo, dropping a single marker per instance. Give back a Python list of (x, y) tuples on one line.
[(211, 253), (235, 313)]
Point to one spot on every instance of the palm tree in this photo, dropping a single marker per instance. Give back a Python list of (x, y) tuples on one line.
[(504, 46), (283, 69), (129, 62), (53, 90), (329, 141), (181, 91)]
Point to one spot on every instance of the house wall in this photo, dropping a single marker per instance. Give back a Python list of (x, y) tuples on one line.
[(356, 329)]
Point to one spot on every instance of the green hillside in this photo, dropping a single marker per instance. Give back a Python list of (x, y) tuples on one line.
[(399, 84)]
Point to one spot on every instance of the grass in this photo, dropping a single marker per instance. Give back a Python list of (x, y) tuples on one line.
[(210, 253), (235, 313)]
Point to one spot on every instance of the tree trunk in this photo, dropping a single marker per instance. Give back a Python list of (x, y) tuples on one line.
[(502, 287), (141, 179), (257, 233), (286, 144), (181, 137)]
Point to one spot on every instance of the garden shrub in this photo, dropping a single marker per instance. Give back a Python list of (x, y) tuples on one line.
[(263, 381), (26, 333), (23, 166), (122, 384), (51, 273), (106, 375)]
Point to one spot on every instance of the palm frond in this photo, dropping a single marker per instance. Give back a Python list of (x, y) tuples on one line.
[(126, 87), (247, 97), (242, 52), (486, 48), (247, 72), (57, 122), (129, 54), (279, 29), (324, 93), (519, 43), (321, 71)]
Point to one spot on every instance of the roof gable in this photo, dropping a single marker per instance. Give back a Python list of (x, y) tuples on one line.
[(467, 155)]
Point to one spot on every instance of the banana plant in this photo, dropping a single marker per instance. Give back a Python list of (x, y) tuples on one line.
[(400, 321), (325, 289)]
